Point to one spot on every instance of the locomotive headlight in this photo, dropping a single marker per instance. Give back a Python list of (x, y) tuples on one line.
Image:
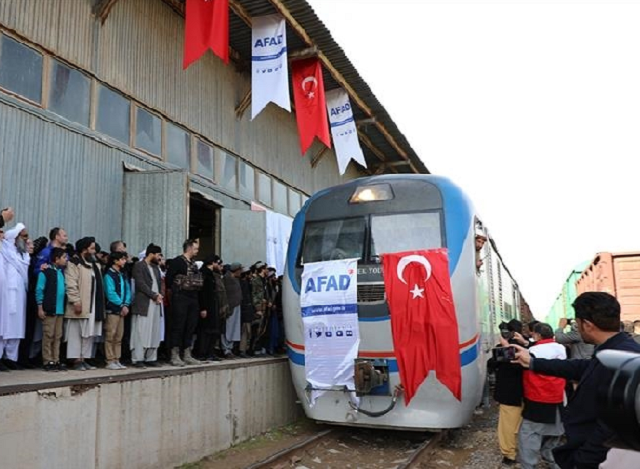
[(371, 193)]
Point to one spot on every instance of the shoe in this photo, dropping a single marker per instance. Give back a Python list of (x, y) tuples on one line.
[(243, 355), (188, 359), (79, 367), (121, 366), (88, 367), (138, 365), (62, 367), (175, 357), (153, 364), (13, 365), (213, 359), (508, 462), (113, 366), (4, 368), (50, 367), (229, 356)]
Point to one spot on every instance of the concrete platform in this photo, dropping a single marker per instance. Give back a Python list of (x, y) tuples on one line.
[(152, 418)]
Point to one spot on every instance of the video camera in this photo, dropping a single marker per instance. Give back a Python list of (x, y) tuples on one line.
[(506, 334), (619, 403), (504, 354)]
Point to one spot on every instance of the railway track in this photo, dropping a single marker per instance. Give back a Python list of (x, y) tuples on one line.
[(339, 447)]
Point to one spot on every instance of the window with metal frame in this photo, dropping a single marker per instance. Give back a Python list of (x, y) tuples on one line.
[(204, 160), (114, 114), (20, 69), (178, 146), (69, 93), (148, 132), (246, 180)]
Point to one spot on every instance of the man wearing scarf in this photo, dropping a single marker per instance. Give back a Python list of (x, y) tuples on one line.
[(14, 282), (85, 303)]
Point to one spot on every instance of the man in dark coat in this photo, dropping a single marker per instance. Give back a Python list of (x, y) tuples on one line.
[(185, 281), (598, 319), (508, 393), (213, 300)]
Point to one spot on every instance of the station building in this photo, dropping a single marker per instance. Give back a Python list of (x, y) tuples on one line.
[(103, 132)]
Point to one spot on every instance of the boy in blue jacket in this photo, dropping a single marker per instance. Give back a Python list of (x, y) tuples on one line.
[(118, 294), (50, 297)]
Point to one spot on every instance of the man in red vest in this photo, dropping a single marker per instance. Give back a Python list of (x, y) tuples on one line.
[(541, 427)]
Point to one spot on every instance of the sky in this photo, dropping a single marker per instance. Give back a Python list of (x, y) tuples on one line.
[(533, 107)]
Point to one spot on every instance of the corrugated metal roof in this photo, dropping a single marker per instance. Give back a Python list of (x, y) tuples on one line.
[(302, 12)]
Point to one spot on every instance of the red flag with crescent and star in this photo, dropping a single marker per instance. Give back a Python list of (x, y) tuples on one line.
[(206, 26), (423, 319), (311, 111)]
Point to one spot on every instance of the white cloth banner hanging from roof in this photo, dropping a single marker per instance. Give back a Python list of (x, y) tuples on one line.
[(269, 66), (278, 228), (343, 129), (329, 300)]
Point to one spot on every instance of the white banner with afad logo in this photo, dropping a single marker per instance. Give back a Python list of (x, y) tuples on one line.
[(269, 65), (343, 129), (329, 300)]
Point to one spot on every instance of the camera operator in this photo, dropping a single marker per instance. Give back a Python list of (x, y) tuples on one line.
[(620, 410), (578, 349), (598, 319), (508, 392)]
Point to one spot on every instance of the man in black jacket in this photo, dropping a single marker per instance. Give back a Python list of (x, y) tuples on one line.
[(508, 393), (598, 319), (185, 281)]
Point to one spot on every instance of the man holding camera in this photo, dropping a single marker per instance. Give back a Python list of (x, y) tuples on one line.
[(508, 391), (598, 322)]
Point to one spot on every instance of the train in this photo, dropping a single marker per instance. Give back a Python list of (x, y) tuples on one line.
[(363, 219)]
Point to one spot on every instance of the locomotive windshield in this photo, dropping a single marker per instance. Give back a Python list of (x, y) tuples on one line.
[(367, 237)]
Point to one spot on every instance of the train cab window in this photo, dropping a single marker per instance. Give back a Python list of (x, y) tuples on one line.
[(333, 240), (404, 232)]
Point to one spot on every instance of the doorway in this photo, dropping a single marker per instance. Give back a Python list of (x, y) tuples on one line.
[(204, 223)]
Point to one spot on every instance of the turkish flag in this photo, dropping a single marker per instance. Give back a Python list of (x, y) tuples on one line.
[(207, 26), (423, 319), (311, 111)]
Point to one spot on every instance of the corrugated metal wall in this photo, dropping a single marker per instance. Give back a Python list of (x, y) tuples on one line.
[(53, 176), (139, 50)]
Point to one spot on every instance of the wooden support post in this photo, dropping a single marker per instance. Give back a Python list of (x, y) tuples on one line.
[(316, 159), (102, 8), (240, 11), (361, 123), (369, 144), (303, 53), (244, 104)]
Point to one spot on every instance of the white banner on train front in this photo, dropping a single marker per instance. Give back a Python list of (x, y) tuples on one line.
[(329, 300)]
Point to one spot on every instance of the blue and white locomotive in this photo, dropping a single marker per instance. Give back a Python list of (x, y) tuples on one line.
[(371, 216)]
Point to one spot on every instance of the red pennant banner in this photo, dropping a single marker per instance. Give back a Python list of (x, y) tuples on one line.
[(206, 26), (423, 319), (311, 111)]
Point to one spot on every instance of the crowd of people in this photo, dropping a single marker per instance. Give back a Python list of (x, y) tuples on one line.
[(64, 305), (547, 395)]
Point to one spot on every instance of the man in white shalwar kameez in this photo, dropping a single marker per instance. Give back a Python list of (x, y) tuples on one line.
[(147, 320), (14, 283)]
